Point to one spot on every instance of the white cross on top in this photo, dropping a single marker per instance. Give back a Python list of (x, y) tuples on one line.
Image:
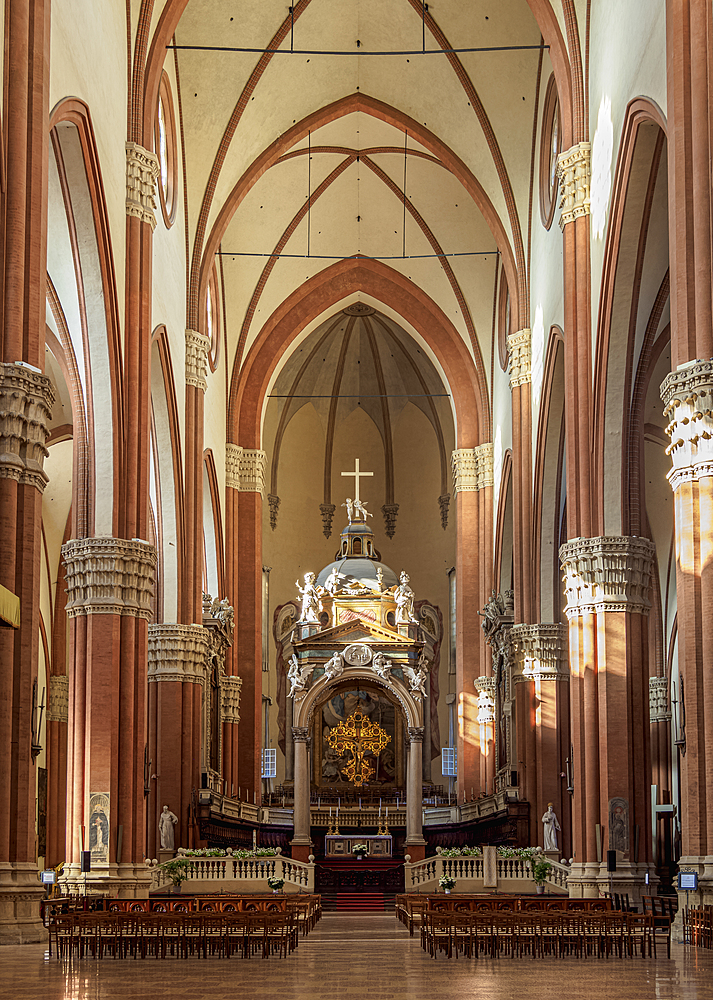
[(357, 475)]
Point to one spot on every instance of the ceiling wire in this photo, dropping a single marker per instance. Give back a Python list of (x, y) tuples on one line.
[(356, 256), (360, 51)]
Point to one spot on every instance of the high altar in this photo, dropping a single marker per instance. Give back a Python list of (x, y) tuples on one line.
[(359, 674)]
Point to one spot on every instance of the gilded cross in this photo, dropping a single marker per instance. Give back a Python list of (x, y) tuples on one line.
[(359, 737), (357, 476)]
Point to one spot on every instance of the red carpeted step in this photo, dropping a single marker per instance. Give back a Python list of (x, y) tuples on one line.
[(360, 901)]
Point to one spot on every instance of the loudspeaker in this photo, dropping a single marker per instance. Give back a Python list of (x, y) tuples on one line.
[(611, 861), (86, 858)]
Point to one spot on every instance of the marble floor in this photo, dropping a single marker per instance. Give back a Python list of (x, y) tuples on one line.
[(357, 958)]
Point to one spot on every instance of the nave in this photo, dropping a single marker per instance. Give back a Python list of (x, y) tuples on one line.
[(358, 958)]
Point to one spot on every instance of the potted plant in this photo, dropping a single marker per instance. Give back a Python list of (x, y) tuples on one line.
[(446, 883), (360, 850), (540, 871), (275, 882), (178, 871)]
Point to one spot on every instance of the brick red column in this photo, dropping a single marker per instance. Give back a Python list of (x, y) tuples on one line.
[(519, 366)]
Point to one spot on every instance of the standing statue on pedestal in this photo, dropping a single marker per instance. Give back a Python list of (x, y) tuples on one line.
[(550, 828), (404, 597), (311, 604), (166, 823)]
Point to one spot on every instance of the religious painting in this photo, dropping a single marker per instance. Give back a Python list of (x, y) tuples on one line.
[(376, 709), (618, 824), (41, 812), (99, 828)]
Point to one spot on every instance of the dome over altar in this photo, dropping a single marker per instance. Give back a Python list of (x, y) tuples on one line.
[(358, 560)]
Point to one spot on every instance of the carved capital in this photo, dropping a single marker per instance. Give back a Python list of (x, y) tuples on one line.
[(484, 475), (326, 510), (607, 574), (197, 348), (26, 398), (230, 706), (485, 686), (58, 701), (464, 470), (390, 510), (519, 358), (177, 653), (415, 734), (688, 405), (444, 503), (659, 710), (539, 652), (574, 170), (245, 469), (109, 576), (300, 734), (142, 169)]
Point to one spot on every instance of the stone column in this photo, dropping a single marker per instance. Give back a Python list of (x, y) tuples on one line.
[(26, 398), (289, 744), (541, 683), (301, 840), (176, 676), (607, 581), (415, 842), (520, 371), (688, 397), (109, 592), (245, 482)]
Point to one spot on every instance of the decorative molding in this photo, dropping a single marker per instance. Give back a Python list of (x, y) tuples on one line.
[(484, 466), (390, 510), (300, 734), (197, 348), (26, 398), (230, 692), (177, 653), (607, 574), (142, 170), (219, 618), (688, 405), (58, 703), (574, 170), (327, 511), (485, 686), (245, 470), (519, 347), (539, 652), (659, 710), (465, 470), (415, 734), (109, 576), (444, 503)]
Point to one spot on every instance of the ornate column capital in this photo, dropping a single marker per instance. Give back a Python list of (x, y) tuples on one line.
[(197, 347), (539, 652), (485, 686), (659, 710), (519, 346), (177, 653), (58, 701), (300, 734), (142, 169), (607, 574), (109, 576), (415, 734), (464, 470), (484, 474), (687, 394), (245, 469), (26, 398), (574, 170), (230, 700)]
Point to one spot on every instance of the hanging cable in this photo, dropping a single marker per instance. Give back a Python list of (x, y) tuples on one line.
[(405, 158), (309, 189)]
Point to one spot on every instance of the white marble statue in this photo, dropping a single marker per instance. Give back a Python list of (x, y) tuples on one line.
[(166, 823), (334, 667), (360, 510), (332, 583), (381, 665), (350, 509), (380, 578), (311, 604), (404, 597), (298, 676), (550, 828)]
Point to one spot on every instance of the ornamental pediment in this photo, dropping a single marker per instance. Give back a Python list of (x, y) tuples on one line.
[(355, 631)]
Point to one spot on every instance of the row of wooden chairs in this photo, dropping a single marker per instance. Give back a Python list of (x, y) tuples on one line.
[(184, 935), (698, 925), (538, 934)]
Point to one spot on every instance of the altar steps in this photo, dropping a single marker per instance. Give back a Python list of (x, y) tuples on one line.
[(357, 902)]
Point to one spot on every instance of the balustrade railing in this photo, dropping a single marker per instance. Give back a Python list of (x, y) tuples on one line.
[(425, 874), (252, 872)]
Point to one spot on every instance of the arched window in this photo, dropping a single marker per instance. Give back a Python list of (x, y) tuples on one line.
[(550, 148), (166, 150)]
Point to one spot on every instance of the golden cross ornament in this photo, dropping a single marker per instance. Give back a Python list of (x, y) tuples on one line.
[(357, 476), (359, 737)]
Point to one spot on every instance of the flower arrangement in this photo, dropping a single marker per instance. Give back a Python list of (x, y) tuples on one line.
[(446, 882), (360, 849), (218, 852), (275, 882), (525, 853), (460, 852)]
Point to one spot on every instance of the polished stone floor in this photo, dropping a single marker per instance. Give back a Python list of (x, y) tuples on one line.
[(357, 958)]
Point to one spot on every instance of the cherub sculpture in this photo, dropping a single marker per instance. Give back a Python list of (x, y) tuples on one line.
[(334, 667), (360, 509), (381, 665), (298, 676)]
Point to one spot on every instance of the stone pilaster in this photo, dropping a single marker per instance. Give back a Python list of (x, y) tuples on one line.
[(519, 347), (142, 170), (26, 398), (177, 653), (539, 652), (245, 469), (575, 172), (109, 576), (610, 573), (484, 470), (58, 702), (197, 348), (688, 405), (464, 470)]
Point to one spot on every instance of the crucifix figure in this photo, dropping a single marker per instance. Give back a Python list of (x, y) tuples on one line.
[(358, 736), (359, 509)]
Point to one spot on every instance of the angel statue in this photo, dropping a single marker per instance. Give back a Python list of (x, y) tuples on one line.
[(334, 667), (298, 676), (381, 665), (417, 677), (311, 604), (350, 509), (359, 508), (332, 583)]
